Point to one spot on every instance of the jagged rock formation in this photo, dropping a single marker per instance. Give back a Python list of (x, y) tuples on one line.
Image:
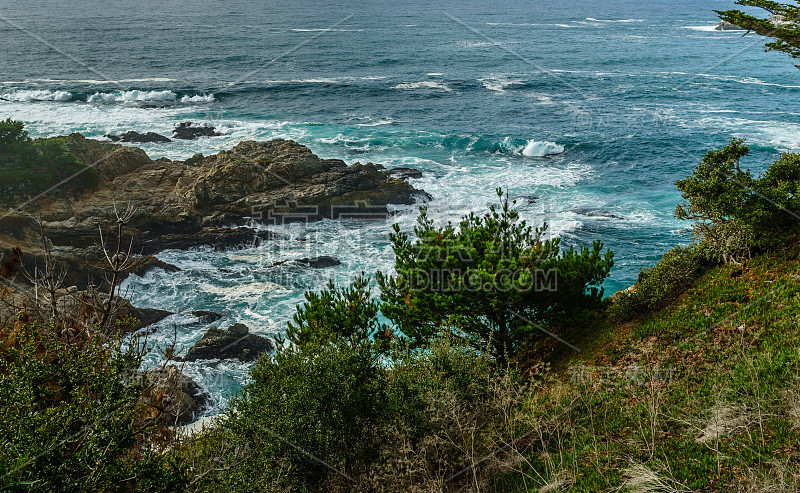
[(236, 342), (177, 204), (180, 397), (136, 137), (189, 131)]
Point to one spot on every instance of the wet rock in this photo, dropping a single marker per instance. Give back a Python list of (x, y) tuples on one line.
[(206, 316), (189, 131), (597, 212), (217, 238), (235, 343), (320, 262), (147, 263), (404, 173), (136, 137), (181, 397)]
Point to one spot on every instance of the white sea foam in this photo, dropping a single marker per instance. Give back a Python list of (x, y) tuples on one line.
[(478, 44), (37, 95), (592, 19), (136, 96), (377, 123), (745, 80), (712, 28), (500, 83), (318, 80), (324, 29), (535, 148), (782, 136), (426, 84), (198, 98)]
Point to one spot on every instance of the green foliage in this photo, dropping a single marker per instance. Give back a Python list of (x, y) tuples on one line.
[(336, 416), (676, 272), (12, 134), (734, 211), (492, 280), (349, 314), (29, 167), (69, 422), (307, 408), (786, 35)]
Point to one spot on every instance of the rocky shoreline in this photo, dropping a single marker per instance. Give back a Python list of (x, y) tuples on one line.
[(225, 200), (204, 200)]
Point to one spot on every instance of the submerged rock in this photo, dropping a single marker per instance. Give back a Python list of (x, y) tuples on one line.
[(206, 316), (320, 262), (236, 342), (181, 397)]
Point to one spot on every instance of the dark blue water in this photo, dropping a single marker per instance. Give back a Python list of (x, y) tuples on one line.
[(587, 111)]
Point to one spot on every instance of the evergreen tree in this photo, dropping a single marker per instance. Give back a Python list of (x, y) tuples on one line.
[(783, 25)]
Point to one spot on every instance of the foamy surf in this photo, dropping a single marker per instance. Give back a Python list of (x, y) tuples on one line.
[(427, 84), (27, 96), (535, 148), (147, 96)]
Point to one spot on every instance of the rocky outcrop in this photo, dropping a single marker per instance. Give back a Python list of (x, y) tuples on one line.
[(405, 173), (136, 137), (189, 131), (236, 342), (321, 262), (180, 397), (779, 20), (727, 26), (178, 205)]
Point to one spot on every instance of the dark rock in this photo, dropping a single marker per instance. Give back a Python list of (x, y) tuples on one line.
[(206, 316), (189, 131), (236, 342), (146, 316), (405, 173), (320, 262), (216, 238), (136, 137), (182, 398), (147, 263), (597, 212), (194, 160)]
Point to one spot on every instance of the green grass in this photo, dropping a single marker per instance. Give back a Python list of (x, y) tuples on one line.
[(733, 346)]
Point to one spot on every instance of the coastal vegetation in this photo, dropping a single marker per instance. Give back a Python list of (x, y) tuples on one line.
[(28, 167), (490, 360)]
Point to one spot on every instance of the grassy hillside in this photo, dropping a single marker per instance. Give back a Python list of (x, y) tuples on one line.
[(702, 395)]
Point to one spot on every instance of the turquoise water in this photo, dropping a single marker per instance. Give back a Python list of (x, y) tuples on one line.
[(586, 111)]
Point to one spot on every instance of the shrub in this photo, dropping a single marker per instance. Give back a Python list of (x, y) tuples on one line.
[(69, 422), (347, 314), (734, 212), (454, 410), (29, 167), (340, 417), (676, 272), (304, 409), (492, 280)]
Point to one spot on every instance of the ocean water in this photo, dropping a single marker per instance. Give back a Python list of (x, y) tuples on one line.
[(585, 111)]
